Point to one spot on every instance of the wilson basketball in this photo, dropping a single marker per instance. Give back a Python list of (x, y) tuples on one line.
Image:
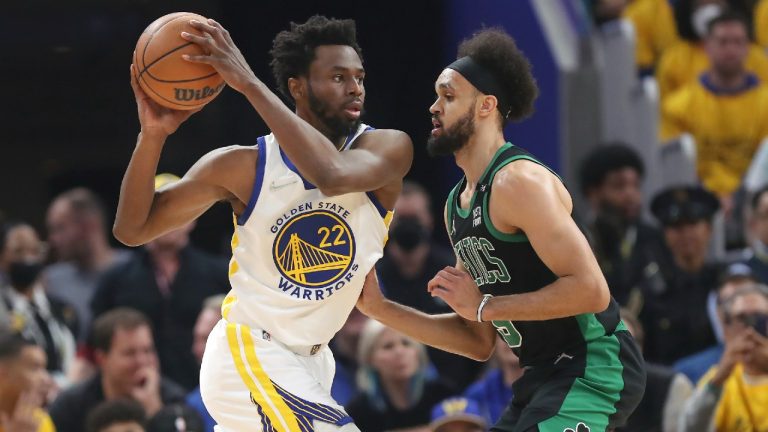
[(167, 78)]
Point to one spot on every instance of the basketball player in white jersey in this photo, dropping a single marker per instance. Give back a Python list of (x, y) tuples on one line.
[(311, 204)]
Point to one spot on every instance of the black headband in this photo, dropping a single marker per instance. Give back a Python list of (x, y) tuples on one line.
[(484, 80)]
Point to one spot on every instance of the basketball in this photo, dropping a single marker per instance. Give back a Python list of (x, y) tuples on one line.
[(167, 78)]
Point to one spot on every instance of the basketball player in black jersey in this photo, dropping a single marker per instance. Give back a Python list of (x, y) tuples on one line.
[(524, 271)]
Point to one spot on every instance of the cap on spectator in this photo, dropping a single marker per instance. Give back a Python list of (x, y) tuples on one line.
[(735, 271), (457, 409), (684, 204), (165, 179)]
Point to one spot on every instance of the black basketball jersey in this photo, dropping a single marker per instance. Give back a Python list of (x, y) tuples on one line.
[(504, 264)]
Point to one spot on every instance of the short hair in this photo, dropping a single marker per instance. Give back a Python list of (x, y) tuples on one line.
[(107, 324), (606, 159), (754, 288), (294, 50), (84, 202), (5, 229), (12, 344), (168, 418), (758, 196), (114, 411), (728, 16), (495, 50)]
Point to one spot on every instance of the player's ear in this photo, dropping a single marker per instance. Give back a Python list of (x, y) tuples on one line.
[(296, 88), (487, 105)]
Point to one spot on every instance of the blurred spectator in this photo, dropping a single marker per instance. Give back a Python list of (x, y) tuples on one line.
[(733, 395), (458, 415), (493, 391), (395, 392), (655, 31), (125, 355), (206, 321), (29, 311), (761, 23), (604, 11), (175, 418), (676, 285), (167, 280), (344, 346), (119, 415), (665, 391), (411, 258), (685, 60), (696, 365), (723, 109), (24, 383), (77, 234), (624, 245), (758, 254)]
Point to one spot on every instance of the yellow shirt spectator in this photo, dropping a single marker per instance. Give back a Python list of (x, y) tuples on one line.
[(685, 61), (654, 23), (761, 24), (743, 404), (727, 126), (46, 424)]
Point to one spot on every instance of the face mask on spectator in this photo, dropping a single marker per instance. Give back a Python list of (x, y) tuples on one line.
[(702, 16), (409, 233), (23, 274)]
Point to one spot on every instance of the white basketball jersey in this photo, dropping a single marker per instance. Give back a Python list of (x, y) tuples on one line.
[(300, 257)]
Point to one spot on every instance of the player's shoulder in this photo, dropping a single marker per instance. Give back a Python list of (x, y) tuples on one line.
[(522, 178), (383, 137), (231, 157)]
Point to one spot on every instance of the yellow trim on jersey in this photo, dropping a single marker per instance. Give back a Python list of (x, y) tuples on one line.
[(388, 220), (226, 305), (281, 417)]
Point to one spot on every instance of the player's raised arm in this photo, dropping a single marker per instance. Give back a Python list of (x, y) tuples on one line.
[(143, 213), (379, 158), (542, 212)]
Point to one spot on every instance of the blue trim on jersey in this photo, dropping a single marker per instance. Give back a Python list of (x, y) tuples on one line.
[(307, 411), (750, 82), (292, 167), (375, 201), (261, 143)]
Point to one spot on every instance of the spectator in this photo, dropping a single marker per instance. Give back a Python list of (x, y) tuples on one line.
[(624, 245), (175, 418), (127, 362), (655, 31), (344, 346), (457, 415), (758, 255), (24, 383), (733, 395), (119, 415), (206, 321), (167, 280), (665, 391), (723, 109), (493, 391), (685, 60), (77, 234), (395, 393), (677, 284), (29, 310), (410, 260), (761, 23), (696, 365)]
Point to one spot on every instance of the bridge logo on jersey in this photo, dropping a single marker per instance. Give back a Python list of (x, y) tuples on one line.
[(313, 250)]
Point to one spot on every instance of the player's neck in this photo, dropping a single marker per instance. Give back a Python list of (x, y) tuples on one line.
[(315, 122), (474, 157)]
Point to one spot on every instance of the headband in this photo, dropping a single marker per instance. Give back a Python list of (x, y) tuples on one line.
[(483, 80)]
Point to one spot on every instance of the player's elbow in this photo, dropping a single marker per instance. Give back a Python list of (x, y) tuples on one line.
[(334, 181), (599, 295), (126, 236), (482, 353)]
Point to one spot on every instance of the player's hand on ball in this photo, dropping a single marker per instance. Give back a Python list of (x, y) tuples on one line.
[(371, 295), (153, 117), (223, 54), (458, 289)]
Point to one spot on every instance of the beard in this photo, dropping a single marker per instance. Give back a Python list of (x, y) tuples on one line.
[(454, 138), (338, 126)]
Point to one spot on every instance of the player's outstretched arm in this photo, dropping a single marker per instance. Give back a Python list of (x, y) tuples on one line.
[(448, 332), (381, 157), (542, 210), (143, 213)]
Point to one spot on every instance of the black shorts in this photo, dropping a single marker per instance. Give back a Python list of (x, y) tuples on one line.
[(596, 390)]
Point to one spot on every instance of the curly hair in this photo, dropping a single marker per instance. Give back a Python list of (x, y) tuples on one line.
[(495, 50), (294, 50), (606, 159)]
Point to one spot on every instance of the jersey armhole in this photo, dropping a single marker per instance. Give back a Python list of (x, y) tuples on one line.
[(258, 182)]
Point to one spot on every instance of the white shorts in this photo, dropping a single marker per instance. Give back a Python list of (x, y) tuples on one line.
[(250, 382)]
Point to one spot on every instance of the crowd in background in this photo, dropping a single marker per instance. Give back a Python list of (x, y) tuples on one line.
[(92, 336)]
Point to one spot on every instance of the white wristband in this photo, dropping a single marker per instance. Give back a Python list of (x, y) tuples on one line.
[(480, 307)]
